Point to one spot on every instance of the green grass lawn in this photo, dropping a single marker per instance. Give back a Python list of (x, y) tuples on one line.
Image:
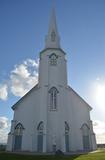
[(90, 156)]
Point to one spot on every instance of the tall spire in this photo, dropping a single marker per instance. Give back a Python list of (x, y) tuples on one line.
[(52, 38)]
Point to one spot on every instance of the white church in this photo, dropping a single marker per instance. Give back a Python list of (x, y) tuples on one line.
[(51, 116)]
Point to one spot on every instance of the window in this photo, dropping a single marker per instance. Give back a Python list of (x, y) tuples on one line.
[(18, 137), (53, 59), (66, 128), (53, 98), (67, 136), (40, 137), (40, 127), (19, 129), (85, 136)]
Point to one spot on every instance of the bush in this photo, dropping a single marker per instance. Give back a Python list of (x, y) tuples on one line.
[(59, 152), (2, 147)]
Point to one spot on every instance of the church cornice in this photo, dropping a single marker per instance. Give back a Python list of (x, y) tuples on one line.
[(70, 89), (19, 101), (59, 49)]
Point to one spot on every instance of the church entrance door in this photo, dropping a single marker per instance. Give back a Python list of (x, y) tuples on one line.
[(40, 137), (86, 142), (40, 143), (18, 142), (85, 135), (67, 136), (67, 142)]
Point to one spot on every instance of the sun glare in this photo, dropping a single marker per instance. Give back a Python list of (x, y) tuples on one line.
[(100, 95)]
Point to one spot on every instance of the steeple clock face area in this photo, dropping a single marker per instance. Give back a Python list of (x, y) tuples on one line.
[(53, 59), (53, 64)]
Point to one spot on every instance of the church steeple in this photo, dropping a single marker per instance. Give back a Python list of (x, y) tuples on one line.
[(52, 38)]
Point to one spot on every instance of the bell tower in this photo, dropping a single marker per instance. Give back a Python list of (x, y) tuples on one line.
[(52, 68)]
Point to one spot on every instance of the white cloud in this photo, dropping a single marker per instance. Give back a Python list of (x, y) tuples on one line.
[(32, 62), (3, 91), (21, 71), (24, 77), (4, 128), (3, 122), (99, 129)]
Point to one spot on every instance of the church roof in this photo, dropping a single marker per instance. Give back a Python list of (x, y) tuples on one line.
[(81, 99), (36, 87), (15, 105)]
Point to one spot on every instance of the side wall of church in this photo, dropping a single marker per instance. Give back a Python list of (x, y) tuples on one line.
[(80, 114), (27, 113)]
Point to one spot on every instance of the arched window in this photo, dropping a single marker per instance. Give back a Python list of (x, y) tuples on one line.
[(18, 132), (53, 98), (40, 137), (19, 129), (85, 136), (53, 59), (40, 127), (67, 136), (66, 128)]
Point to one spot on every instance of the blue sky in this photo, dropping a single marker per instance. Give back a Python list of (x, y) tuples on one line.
[(23, 27)]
